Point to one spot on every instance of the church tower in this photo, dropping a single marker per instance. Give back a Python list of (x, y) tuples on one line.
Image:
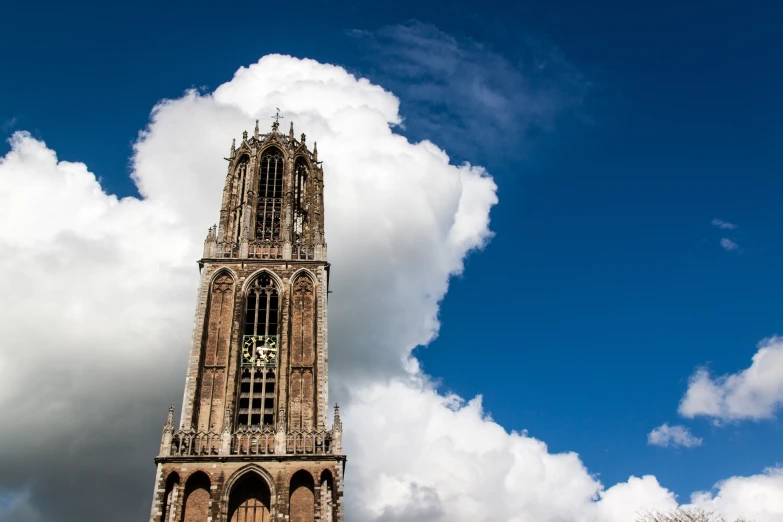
[(253, 443)]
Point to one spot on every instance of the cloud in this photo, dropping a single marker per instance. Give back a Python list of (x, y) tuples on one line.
[(473, 98), (674, 436), (101, 293), (460, 465), (754, 393), (756, 497), (723, 225), (728, 245)]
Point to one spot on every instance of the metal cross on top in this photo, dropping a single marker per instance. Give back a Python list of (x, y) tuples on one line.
[(276, 117)]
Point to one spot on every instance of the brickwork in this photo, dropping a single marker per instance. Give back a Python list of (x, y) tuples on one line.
[(197, 498), (279, 461), (302, 497), (218, 489)]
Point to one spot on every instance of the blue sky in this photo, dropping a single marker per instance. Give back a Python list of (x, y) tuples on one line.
[(605, 285)]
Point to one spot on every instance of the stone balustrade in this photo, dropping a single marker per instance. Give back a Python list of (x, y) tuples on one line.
[(271, 250), (253, 440)]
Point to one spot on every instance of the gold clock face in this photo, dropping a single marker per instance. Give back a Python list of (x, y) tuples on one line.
[(259, 350)]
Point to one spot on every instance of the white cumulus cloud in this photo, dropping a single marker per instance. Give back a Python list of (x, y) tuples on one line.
[(675, 436), (99, 294), (757, 497), (754, 393)]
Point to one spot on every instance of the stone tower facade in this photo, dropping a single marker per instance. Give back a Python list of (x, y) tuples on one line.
[(254, 443)]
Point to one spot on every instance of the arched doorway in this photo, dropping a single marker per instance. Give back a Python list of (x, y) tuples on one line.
[(249, 500)]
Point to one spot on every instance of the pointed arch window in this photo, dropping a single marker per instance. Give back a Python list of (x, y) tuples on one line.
[(301, 172), (259, 354), (250, 500), (270, 196)]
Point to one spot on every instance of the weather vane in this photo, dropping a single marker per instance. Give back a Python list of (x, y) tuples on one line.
[(277, 117)]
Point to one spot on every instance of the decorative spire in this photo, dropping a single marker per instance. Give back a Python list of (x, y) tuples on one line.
[(255, 133), (291, 131), (338, 424), (315, 151), (169, 426), (227, 418), (233, 148), (211, 234)]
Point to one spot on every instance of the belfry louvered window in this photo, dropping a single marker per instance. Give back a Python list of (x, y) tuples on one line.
[(270, 196), (259, 354), (300, 201)]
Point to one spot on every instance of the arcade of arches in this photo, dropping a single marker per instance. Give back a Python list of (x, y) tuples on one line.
[(250, 498)]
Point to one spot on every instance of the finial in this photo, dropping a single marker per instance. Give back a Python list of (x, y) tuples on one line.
[(244, 135), (303, 137), (291, 132), (169, 426), (315, 151), (338, 424), (233, 148), (255, 134)]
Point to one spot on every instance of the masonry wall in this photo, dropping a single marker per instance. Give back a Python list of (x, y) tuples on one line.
[(298, 490), (302, 388)]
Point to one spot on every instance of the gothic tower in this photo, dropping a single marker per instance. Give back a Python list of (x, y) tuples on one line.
[(253, 442)]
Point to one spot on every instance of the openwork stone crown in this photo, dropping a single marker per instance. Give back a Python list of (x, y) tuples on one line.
[(272, 201)]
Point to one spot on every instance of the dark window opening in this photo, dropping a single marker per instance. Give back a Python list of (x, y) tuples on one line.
[(257, 384), (270, 196), (300, 231)]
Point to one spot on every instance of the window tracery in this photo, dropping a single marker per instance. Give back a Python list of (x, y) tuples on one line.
[(259, 357), (301, 225), (270, 196)]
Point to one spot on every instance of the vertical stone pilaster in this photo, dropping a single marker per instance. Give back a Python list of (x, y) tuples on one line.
[(157, 495), (338, 487), (283, 367), (194, 359)]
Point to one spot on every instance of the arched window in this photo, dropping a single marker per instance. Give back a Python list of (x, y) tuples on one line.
[(259, 354), (301, 225), (270, 196), (238, 200), (170, 498), (249, 500), (302, 499), (196, 498)]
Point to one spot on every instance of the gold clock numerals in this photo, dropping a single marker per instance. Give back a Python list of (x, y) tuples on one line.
[(259, 350)]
